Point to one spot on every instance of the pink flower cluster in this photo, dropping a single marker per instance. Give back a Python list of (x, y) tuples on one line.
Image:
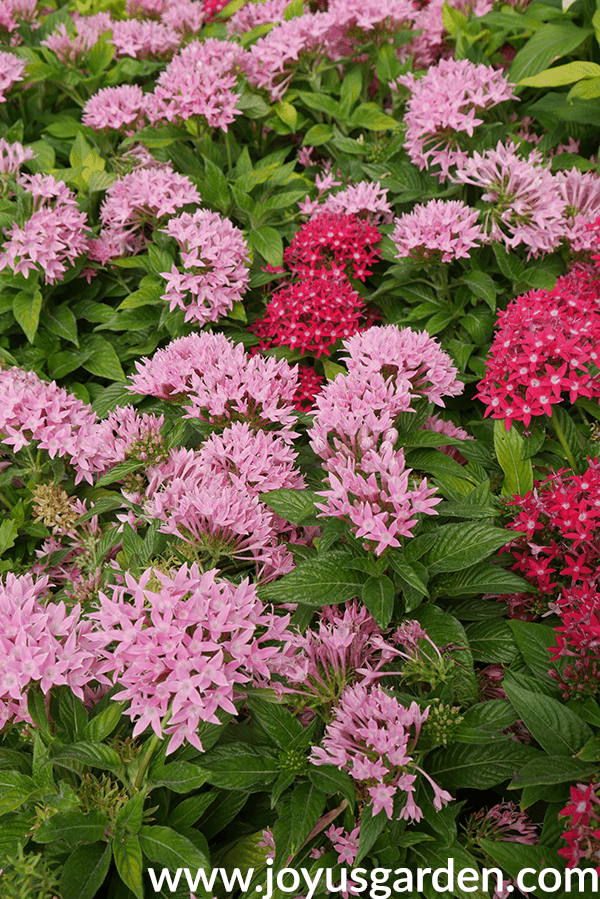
[(373, 737), (181, 647), (11, 71), (126, 434), (142, 198), (119, 108), (547, 343), (73, 48), (41, 641), (443, 105), (214, 256), (54, 235), (438, 231), (12, 156), (15, 12)]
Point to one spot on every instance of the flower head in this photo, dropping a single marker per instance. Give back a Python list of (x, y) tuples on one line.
[(438, 231)]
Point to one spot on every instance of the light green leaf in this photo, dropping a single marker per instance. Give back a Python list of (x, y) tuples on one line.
[(452, 19), (317, 135), (511, 454), (378, 596), (550, 42), (561, 75), (127, 853), (269, 244), (26, 309)]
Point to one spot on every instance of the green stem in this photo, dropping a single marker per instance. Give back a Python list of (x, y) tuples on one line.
[(563, 442), (147, 756)]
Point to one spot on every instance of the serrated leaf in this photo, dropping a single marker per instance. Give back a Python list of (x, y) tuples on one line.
[(317, 582), (485, 577), (479, 766), (482, 286), (461, 545), (276, 721), (534, 641), (491, 641), (551, 770), (240, 767)]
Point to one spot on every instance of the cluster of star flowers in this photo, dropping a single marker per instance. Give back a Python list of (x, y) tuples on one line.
[(14, 13), (583, 836), (504, 822), (559, 548), (140, 200), (354, 432), (11, 71), (181, 646), (143, 38), (121, 108), (214, 257), (72, 49), (35, 412), (444, 105), (438, 231), (53, 236), (373, 737), (546, 344), (319, 306), (211, 498), (12, 157), (40, 641), (578, 640), (365, 199)]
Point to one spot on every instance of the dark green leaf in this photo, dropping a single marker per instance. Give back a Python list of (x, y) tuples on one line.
[(269, 244), (511, 453), (307, 805), (318, 582), (240, 767), (84, 871), (461, 545), (293, 505), (276, 721), (73, 827), (27, 306), (555, 727), (378, 596), (551, 770), (478, 767)]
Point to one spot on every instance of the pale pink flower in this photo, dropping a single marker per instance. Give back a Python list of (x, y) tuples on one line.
[(12, 156), (143, 40), (11, 71), (344, 843), (438, 231), (581, 193), (358, 22), (366, 199), (125, 435), (14, 12), (74, 48), (214, 256), (253, 14), (119, 108)]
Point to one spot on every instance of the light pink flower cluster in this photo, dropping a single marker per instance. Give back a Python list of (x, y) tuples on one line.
[(119, 108), (14, 12), (253, 14), (214, 256), (182, 646), (12, 156), (430, 45), (365, 199), (359, 22), (346, 646), (40, 642), (11, 71), (221, 383), (373, 737), (438, 231), (126, 434), (199, 83), (142, 40), (52, 237), (443, 105), (581, 193), (525, 205), (344, 843), (33, 411), (73, 48), (142, 198)]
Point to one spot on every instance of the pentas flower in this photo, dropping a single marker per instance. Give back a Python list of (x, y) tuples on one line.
[(318, 664), (401, 354), (431, 43), (309, 385), (581, 192), (311, 315), (578, 640), (583, 836), (181, 647), (41, 641), (366, 199), (505, 823), (11, 71), (546, 345), (438, 231), (441, 426), (12, 156), (373, 737), (330, 243), (253, 14), (443, 105), (53, 237), (142, 198), (145, 9), (126, 435), (200, 82), (375, 496), (73, 48), (214, 256), (144, 40), (119, 108), (14, 12), (345, 843), (359, 22), (523, 200), (185, 17)]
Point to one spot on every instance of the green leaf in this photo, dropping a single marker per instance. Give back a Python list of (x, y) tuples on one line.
[(317, 135), (556, 728), (331, 780), (127, 853), (104, 722), (293, 505), (370, 116), (412, 573), (516, 857), (73, 827), (491, 641), (351, 88), (61, 321), (276, 721), (560, 75), (240, 767), (511, 454), (267, 241), (101, 55), (370, 828), (452, 19), (8, 534), (436, 856), (287, 113), (190, 810), (85, 871), (485, 577), (150, 292), (103, 360), (591, 751), (96, 755), (533, 641), (181, 777), (461, 545), (443, 628), (215, 190), (307, 805), (130, 815), (378, 596), (26, 308), (549, 42), (481, 285), (478, 766), (165, 846), (119, 471), (44, 157), (387, 65), (317, 582), (551, 770)]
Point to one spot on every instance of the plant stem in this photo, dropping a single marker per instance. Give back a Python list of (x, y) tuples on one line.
[(563, 442), (147, 756)]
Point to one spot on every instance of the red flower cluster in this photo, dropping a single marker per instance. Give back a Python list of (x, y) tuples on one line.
[(320, 307), (579, 639), (329, 243), (546, 344), (583, 839), (309, 384), (560, 546)]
